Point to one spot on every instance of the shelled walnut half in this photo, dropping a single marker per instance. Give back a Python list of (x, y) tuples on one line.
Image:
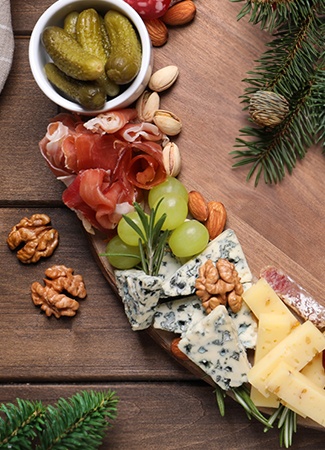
[(36, 237), (52, 297), (219, 284)]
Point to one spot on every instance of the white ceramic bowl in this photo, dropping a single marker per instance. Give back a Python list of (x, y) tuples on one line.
[(38, 57)]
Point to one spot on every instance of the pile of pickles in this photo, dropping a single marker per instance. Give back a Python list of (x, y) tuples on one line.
[(93, 57)]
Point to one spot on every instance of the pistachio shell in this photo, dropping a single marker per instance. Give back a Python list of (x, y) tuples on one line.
[(147, 105), (172, 159), (163, 78), (167, 122)]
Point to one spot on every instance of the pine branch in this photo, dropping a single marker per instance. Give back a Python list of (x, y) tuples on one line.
[(79, 422), (293, 66), (21, 423), (271, 14)]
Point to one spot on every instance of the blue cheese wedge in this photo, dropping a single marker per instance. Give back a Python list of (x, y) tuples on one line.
[(214, 346), (177, 316), (246, 325), (169, 264), (227, 246), (140, 294)]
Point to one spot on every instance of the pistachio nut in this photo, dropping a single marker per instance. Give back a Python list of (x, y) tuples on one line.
[(147, 105), (167, 122), (172, 159), (163, 78)]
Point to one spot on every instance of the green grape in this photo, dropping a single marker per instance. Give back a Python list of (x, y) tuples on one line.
[(175, 208), (189, 239), (126, 232), (170, 186), (117, 253)]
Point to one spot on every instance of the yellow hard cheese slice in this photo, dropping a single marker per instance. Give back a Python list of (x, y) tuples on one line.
[(272, 329), (315, 371), (297, 349), (261, 298), (297, 391)]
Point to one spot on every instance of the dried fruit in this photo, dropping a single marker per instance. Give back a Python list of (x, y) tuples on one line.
[(180, 14), (198, 206), (158, 31), (167, 122), (216, 220), (172, 159), (163, 78)]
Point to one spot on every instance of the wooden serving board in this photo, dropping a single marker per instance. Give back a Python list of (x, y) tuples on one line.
[(163, 338)]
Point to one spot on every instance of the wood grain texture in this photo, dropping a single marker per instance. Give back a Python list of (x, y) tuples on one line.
[(162, 406), (171, 416)]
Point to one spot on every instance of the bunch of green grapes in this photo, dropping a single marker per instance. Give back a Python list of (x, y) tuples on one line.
[(187, 237)]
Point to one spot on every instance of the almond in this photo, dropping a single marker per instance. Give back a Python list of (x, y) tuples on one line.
[(157, 31), (197, 206), (180, 13), (217, 219), (176, 351)]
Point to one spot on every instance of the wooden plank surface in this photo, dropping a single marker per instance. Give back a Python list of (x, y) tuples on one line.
[(162, 406)]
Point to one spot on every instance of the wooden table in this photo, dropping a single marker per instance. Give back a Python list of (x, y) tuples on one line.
[(161, 405)]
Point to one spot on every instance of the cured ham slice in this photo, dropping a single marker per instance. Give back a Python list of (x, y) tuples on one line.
[(111, 121), (100, 201), (146, 168), (105, 163), (294, 296), (132, 132)]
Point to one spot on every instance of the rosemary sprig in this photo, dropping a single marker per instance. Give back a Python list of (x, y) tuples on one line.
[(287, 423), (241, 395), (152, 239)]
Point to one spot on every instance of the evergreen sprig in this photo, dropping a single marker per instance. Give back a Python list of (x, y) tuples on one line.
[(21, 423), (78, 422), (292, 66)]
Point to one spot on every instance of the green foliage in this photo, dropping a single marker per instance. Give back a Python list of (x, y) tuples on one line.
[(293, 66), (21, 423), (79, 422)]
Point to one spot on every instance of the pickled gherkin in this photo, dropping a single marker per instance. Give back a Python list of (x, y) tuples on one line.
[(87, 93), (69, 56), (124, 61), (70, 23), (89, 36)]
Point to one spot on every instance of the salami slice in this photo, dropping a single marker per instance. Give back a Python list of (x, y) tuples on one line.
[(293, 295)]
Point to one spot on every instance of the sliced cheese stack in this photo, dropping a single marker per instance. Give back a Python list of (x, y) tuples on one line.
[(284, 348), (296, 389), (275, 323)]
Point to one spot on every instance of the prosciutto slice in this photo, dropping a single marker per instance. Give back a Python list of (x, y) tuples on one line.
[(105, 163), (132, 132), (294, 296), (110, 122), (146, 168), (100, 201)]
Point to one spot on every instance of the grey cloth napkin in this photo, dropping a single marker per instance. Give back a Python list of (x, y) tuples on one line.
[(6, 41)]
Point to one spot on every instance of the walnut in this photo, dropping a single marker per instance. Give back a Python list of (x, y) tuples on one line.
[(219, 284), (38, 237), (52, 297)]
